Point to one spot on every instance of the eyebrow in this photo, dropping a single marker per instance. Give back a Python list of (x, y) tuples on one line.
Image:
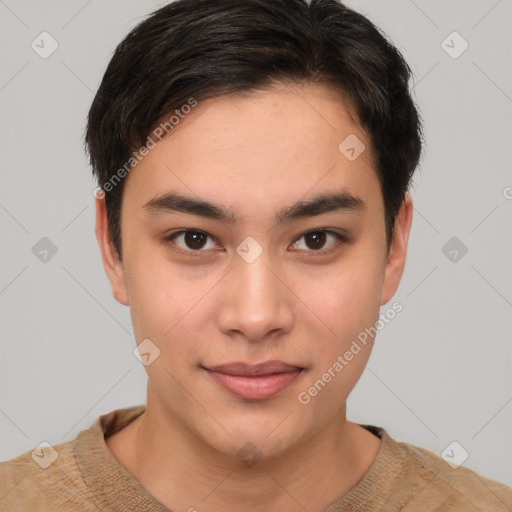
[(318, 205)]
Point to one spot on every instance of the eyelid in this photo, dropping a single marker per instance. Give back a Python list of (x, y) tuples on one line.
[(196, 253), (342, 239)]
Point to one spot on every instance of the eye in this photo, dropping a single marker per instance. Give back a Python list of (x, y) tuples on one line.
[(316, 239), (194, 241)]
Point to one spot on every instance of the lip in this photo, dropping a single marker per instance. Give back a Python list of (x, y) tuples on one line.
[(255, 382)]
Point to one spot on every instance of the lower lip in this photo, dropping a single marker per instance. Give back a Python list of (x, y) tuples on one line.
[(255, 388)]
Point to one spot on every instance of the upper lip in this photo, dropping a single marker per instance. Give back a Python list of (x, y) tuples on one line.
[(245, 369)]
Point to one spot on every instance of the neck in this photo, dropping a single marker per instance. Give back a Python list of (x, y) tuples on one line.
[(184, 473)]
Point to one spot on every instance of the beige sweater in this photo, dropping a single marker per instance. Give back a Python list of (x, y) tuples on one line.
[(85, 476)]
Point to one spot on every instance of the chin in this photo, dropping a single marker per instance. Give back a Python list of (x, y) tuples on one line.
[(255, 440)]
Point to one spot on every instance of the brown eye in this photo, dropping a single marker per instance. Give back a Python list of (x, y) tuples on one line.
[(315, 241), (194, 239), (192, 242)]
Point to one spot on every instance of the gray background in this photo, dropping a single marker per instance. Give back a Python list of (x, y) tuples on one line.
[(440, 371)]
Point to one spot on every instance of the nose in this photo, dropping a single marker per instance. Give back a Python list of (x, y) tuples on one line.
[(256, 303)]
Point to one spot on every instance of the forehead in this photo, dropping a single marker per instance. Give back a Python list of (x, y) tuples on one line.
[(283, 117), (267, 146)]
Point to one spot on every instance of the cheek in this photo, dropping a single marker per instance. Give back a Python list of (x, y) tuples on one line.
[(157, 298), (342, 302), (170, 309), (349, 305), (358, 302)]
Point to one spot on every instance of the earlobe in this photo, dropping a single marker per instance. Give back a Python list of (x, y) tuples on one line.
[(395, 262), (113, 266)]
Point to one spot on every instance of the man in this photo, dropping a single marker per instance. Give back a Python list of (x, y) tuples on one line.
[(254, 159)]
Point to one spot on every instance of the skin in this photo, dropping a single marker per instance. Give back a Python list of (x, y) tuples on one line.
[(253, 154)]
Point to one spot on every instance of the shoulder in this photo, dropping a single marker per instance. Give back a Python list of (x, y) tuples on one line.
[(46, 478), (74, 476), (444, 487)]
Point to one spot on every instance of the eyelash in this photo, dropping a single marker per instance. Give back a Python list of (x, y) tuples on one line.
[(311, 253)]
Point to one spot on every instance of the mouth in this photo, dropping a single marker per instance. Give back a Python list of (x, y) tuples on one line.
[(255, 382)]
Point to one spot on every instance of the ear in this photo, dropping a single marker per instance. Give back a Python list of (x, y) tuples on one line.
[(395, 262), (111, 263)]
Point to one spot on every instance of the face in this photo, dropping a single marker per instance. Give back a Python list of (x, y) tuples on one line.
[(272, 273)]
